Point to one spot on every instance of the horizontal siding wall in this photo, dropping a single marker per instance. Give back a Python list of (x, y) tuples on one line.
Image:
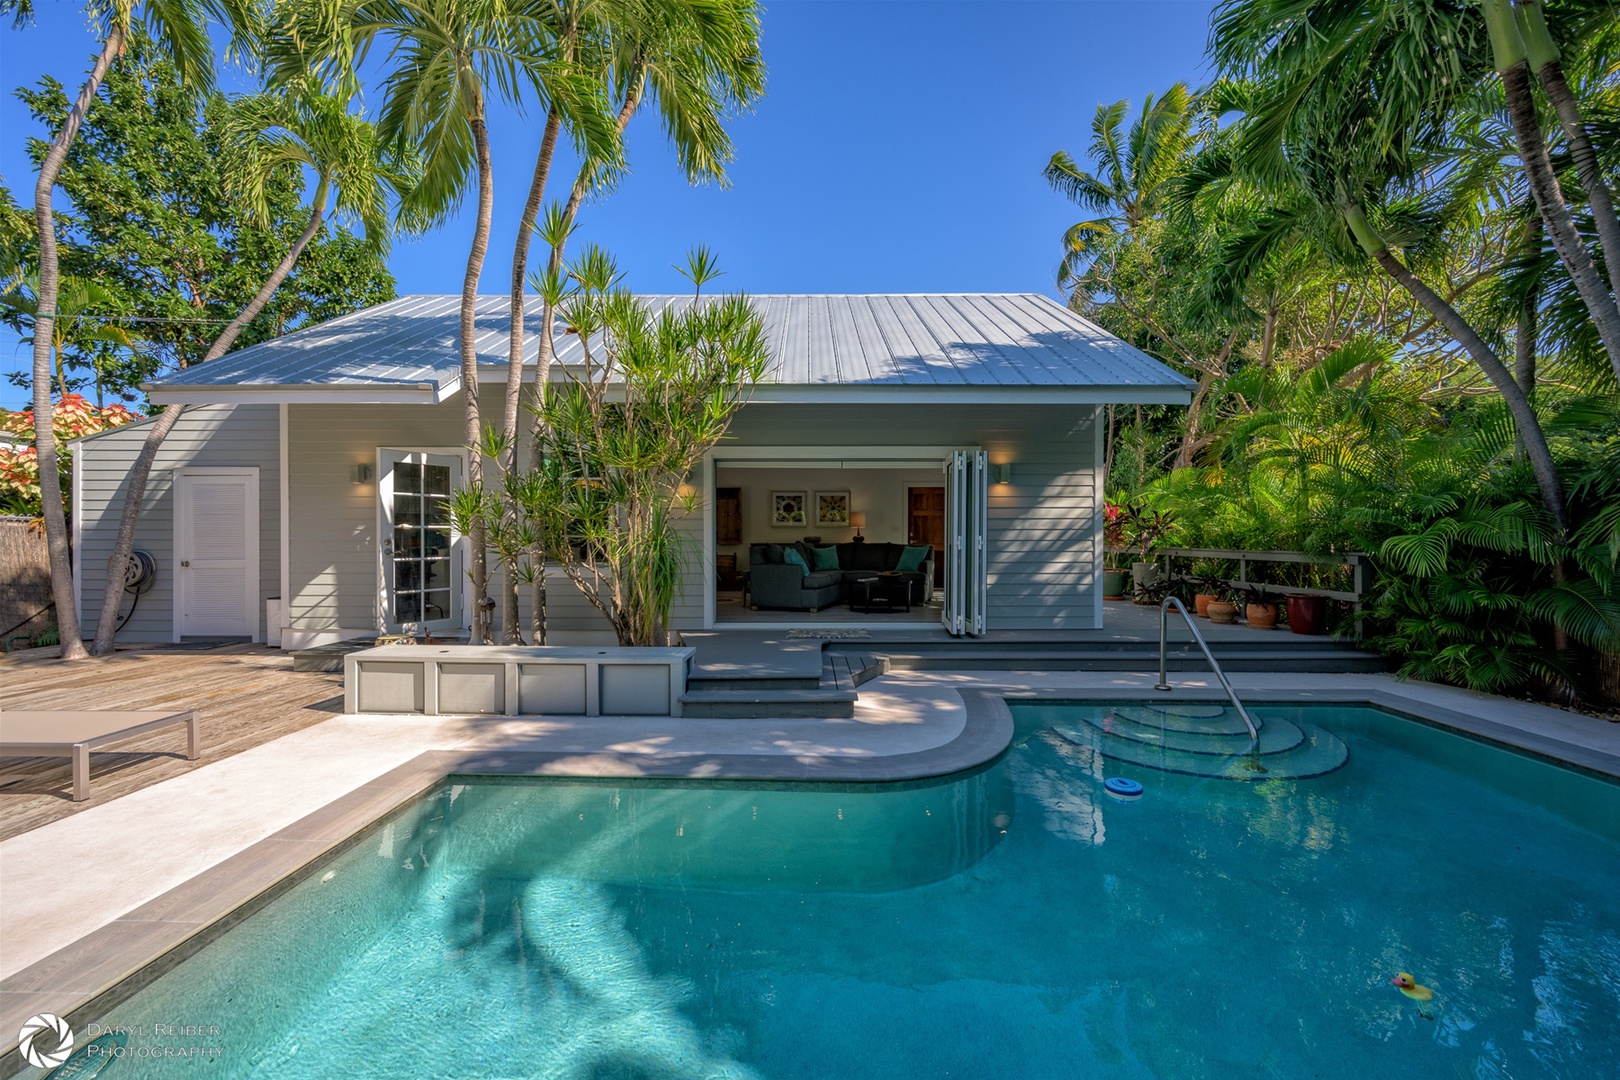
[(1042, 528), (206, 435), (333, 521), (1043, 558)]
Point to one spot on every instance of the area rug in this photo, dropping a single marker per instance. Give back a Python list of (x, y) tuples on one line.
[(831, 635)]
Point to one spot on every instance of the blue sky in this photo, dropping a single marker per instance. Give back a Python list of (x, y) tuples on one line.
[(898, 148)]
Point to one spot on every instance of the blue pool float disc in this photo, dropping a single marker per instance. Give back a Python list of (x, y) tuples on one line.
[(1121, 788)]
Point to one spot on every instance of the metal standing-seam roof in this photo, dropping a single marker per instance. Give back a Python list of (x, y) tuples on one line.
[(911, 347)]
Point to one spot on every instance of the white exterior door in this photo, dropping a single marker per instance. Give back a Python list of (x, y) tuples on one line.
[(216, 553), (421, 554), (967, 487)]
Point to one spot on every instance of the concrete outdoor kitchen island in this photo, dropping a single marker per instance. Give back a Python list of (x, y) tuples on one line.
[(513, 680)]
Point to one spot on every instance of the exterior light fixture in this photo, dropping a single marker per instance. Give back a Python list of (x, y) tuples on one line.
[(360, 474), (1004, 473)]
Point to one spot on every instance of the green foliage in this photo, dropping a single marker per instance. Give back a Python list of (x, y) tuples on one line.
[(153, 223), (617, 443)]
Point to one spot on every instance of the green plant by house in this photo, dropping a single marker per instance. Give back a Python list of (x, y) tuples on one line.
[(617, 444)]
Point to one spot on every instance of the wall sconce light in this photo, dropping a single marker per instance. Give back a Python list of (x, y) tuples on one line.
[(857, 518), (1004, 473), (360, 474)]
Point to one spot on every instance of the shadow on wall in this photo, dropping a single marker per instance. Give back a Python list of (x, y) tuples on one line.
[(25, 579)]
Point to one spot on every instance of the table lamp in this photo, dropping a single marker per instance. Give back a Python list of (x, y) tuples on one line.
[(857, 518)]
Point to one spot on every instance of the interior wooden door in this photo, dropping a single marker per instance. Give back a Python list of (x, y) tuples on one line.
[(925, 524)]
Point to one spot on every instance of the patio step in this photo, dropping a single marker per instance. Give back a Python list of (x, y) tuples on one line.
[(847, 671), (328, 657), (1142, 657), (825, 702)]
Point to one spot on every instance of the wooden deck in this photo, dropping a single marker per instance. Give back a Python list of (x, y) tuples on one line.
[(244, 695)]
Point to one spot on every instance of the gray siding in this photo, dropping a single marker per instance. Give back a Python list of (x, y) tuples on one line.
[(1042, 531), (334, 564), (1042, 528), (206, 435)]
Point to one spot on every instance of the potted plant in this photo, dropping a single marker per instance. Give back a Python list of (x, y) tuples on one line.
[(1259, 609), (1208, 586), (1222, 607), (1116, 538), (1147, 528)]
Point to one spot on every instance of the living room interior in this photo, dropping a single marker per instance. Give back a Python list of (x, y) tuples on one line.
[(869, 538)]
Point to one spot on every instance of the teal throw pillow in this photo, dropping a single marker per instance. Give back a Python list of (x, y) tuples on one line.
[(912, 558), (792, 557), (826, 558)]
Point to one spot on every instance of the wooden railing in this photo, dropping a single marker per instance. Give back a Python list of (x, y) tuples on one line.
[(1356, 563)]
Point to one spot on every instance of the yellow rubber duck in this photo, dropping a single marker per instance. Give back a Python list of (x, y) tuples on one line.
[(1417, 992)]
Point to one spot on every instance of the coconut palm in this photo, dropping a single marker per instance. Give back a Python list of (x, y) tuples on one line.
[(696, 62), (181, 27), (445, 60), (269, 137), (1135, 171), (1405, 69)]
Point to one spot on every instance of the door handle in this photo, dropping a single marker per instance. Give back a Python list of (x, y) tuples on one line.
[(185, 562)]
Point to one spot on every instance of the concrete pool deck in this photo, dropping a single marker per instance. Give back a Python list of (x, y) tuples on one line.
[(81, 896)]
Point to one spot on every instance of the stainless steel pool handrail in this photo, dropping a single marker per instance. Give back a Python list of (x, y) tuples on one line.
[(1164, 637)]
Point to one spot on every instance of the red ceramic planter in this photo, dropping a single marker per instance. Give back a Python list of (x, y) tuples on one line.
[(1307, 614)]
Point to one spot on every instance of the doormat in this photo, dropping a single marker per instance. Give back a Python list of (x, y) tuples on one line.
[(830, 635)]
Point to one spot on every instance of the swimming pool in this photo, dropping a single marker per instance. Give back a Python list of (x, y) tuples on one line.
[(1013, 921)]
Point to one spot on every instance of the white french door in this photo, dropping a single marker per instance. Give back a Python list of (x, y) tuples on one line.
[(421, 553), (216, 552), (966, 510)]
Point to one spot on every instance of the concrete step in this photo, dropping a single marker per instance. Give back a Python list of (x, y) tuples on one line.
[(820, 703), (1341, 659), (848, 671), (767, 682), (328, 657)]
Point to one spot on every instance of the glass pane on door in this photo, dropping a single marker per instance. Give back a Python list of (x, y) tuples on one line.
[(420, 575)]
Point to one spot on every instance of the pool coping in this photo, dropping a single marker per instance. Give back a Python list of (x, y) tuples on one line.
[(106, 966)]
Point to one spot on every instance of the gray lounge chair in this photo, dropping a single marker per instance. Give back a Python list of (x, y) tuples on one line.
[(75, 734)]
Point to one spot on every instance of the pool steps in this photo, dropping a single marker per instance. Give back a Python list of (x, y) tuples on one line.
[(1156, 737)]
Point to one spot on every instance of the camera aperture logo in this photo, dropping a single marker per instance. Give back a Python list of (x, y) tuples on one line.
[(45, 1041)]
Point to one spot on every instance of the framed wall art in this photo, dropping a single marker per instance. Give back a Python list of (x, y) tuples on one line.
[(788, 509), (832, 508)]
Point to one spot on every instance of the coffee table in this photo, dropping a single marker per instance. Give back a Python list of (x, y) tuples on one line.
[(882, 592)]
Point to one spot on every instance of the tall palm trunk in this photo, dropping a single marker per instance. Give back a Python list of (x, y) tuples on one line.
[(479, 558), (1513, 68), (1525, 332), (1542, 53), (1524, 417), (140, 473), (50, 476), (511, 628), (544, 350)]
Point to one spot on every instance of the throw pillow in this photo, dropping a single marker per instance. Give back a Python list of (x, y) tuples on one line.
[(826, 558), (912, 558), (792, 557)]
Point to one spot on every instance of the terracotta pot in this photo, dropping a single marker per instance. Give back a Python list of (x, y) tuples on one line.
[(1115, 582), (1201, 604), (1307, 614), (1221, 611), (1261, 616)]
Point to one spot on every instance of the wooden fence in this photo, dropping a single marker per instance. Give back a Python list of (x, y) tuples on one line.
[(25, 578)]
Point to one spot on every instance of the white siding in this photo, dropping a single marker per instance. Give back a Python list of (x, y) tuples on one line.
[(206, 435)]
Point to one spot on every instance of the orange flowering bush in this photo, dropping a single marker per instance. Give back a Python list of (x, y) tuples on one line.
[(73, 418)]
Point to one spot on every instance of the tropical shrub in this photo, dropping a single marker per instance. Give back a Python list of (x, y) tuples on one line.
[(73, 418)]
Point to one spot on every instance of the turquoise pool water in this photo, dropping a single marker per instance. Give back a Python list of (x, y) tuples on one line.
[(1014, 922)]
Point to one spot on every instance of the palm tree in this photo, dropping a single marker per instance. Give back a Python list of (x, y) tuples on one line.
[(267, 138), (1135, 171), (181, 27), (1408, 67), (446, 58), (696, 62)]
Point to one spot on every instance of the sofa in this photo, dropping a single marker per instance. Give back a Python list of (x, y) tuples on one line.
[(776, 582)]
